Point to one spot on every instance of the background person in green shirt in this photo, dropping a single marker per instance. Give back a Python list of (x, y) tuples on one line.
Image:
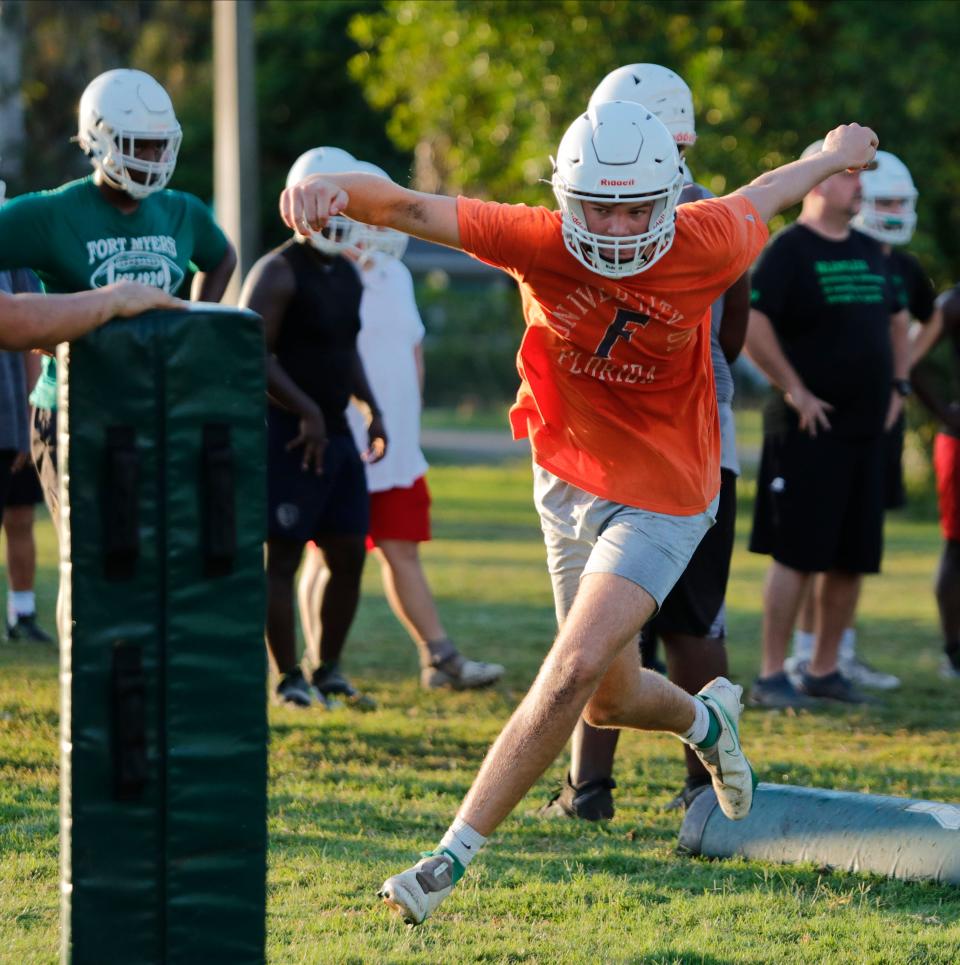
[(119, 224)]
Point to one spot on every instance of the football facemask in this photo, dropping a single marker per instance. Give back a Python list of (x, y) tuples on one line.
[(617, 152), (888, 211), (128, 129)]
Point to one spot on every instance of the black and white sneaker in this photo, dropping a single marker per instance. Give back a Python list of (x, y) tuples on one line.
[(293, 690), (27, 628), (332, 688), (831, 686), (589, 801)]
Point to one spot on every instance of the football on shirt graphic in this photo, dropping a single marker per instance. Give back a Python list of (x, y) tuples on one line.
[(146, 267)]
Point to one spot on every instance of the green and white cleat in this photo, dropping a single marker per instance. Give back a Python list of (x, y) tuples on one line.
[(415, 893), (730, 771)]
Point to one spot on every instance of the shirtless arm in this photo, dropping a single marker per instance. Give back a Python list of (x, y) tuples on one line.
[(267, 291)]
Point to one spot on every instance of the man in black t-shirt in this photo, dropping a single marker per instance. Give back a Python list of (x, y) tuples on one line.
[(888, 215), (309, 297), (828, 330)]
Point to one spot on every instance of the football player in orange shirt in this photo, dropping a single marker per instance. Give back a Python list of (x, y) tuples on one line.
[(617, 399)]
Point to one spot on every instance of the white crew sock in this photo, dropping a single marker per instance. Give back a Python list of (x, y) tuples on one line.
[(700, 727), (20, 603), (848, 644), (462, 841), (803, 642)]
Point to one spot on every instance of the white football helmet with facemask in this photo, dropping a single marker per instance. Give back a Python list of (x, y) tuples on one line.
[(617, 152), (341, 233), (664, 93), (375, 238), (119, 111), (889, 181)]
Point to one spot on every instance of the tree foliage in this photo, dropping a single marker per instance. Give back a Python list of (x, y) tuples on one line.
[(481, 90)]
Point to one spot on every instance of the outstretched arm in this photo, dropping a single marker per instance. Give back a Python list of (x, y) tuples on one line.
[(848, 147), (43, 321), (372, 200)]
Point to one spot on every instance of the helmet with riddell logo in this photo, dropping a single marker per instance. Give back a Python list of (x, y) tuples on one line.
[(341, 233), (128, 129), (664, 93), (888, 211), (617, 152)]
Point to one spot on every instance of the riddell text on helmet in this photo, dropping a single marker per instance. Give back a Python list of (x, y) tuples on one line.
[(609, 183)]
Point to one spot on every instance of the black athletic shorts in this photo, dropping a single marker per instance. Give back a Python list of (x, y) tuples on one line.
[(25, 489), (694, 607), (304, 506), (895, 493), (819, 502), (7, 456), (43, 448)]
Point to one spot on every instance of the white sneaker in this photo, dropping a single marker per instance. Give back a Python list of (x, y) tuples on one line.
[(415, 893), (472, 674), (860, 672), (730, 771)]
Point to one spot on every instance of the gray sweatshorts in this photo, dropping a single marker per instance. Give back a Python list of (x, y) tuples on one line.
[(586, 534)]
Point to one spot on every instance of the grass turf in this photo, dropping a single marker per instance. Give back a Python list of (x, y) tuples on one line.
[(353, 797)]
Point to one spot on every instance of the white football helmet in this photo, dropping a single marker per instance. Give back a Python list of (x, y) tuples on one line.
[(889, 181), (617, 152), (119, 110), (375, 238), (341, 233), (661, 91)]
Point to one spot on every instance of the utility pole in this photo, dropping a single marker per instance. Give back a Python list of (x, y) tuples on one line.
[(235, 175)]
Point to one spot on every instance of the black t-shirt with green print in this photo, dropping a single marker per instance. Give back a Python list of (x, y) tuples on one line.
[(830, 304), (911, 284)]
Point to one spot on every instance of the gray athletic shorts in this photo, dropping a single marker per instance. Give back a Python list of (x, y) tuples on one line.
[(586, 534)]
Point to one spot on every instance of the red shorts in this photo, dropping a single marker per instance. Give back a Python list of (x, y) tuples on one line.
[(400, 513), (946, 463)]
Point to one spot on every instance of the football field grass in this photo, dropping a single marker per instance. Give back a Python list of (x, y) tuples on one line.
[(354, 797)]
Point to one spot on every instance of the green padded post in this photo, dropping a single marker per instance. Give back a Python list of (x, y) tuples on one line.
[(163, 788)]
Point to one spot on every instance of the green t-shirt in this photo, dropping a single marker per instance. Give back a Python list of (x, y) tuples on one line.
[(74, 240)]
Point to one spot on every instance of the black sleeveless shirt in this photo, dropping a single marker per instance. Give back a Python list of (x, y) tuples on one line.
[(317, 344)]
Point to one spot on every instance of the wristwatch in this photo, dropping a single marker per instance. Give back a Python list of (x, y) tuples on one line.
[(902, 387)]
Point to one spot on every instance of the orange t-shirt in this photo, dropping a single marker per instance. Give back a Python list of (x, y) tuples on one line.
[(616, 390)]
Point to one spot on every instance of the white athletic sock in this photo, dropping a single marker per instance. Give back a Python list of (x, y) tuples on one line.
[(697, 733), (803, 642), (462, 841), (848, 644), (20, 603)]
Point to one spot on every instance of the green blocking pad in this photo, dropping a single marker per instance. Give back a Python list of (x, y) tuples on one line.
[(163, 788)]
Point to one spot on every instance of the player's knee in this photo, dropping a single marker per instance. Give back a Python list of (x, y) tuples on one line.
[(603, 710)]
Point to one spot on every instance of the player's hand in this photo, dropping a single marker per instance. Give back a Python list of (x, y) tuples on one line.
[(811, 410), (893, 411), (309, 204), (313, 437), (128, 298), (854, 146), (376, 439)]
